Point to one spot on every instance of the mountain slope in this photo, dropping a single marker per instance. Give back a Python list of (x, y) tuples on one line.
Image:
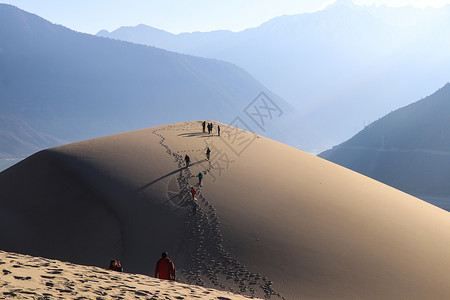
[(272, 220), (76, 86), (408, 149), (340, 67), (18, 139)]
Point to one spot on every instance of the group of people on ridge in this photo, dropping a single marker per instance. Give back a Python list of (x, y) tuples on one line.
[(210, 127)]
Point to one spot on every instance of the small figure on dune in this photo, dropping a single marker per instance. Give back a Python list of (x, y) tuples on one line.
[(115, 265), (194, 207), (208, 153), (187, 159), (204, 125), (165, 268), (218, 130), (193, 192), (200, 177)]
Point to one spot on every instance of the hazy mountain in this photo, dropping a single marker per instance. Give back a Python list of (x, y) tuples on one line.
[(18, 139), (408, 149), (77, 86), (340, 67)]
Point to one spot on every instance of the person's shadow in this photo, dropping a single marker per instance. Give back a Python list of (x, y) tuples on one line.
[(167, 175)]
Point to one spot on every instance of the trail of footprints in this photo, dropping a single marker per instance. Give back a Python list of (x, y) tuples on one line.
[(208, 261), (27, 277)]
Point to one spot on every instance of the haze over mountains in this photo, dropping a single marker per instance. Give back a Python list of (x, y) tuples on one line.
[(18, 139), (268, 220), (408, 149), (341, 67), (72, 86)]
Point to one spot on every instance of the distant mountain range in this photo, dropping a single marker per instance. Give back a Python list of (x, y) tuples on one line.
[(341, 67), (408, 149), (72, 86)]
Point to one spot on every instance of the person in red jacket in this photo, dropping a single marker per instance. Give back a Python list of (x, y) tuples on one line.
[(165, 268), (193, 192)]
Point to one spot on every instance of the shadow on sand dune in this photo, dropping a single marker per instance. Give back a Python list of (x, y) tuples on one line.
[(167, 175), (195, 134)]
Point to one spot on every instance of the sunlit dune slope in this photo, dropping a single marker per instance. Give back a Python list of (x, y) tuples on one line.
[(272, 220), (29, 277)]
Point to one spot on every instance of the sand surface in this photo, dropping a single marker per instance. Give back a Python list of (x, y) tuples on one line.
[(28, 277), (272, 220)]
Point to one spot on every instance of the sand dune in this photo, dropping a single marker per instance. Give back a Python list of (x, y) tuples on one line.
[(28, 277), (273, 221)]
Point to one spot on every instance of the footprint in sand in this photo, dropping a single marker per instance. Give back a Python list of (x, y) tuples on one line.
[(22, 277)]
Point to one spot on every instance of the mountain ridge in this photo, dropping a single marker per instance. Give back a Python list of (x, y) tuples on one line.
[(368, 60), (75, 86), (408, 149)]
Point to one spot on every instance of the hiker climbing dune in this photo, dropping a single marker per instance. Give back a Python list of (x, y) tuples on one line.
[(165, 268)]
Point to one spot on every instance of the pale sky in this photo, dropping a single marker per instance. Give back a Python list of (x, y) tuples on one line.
[(177, 16)]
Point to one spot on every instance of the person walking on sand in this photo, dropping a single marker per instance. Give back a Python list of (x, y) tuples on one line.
[(204, 125), (187, 159), (218, 130), (165, 268), (208, 153), (193, 192), (200, 177)]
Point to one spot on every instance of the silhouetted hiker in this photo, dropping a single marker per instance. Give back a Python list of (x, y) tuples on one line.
[(165, 268), (208, 153), (194, 207), (193, 192), (115, 266), (204, 125), (187, 159), (218, 130), (200, 177)]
